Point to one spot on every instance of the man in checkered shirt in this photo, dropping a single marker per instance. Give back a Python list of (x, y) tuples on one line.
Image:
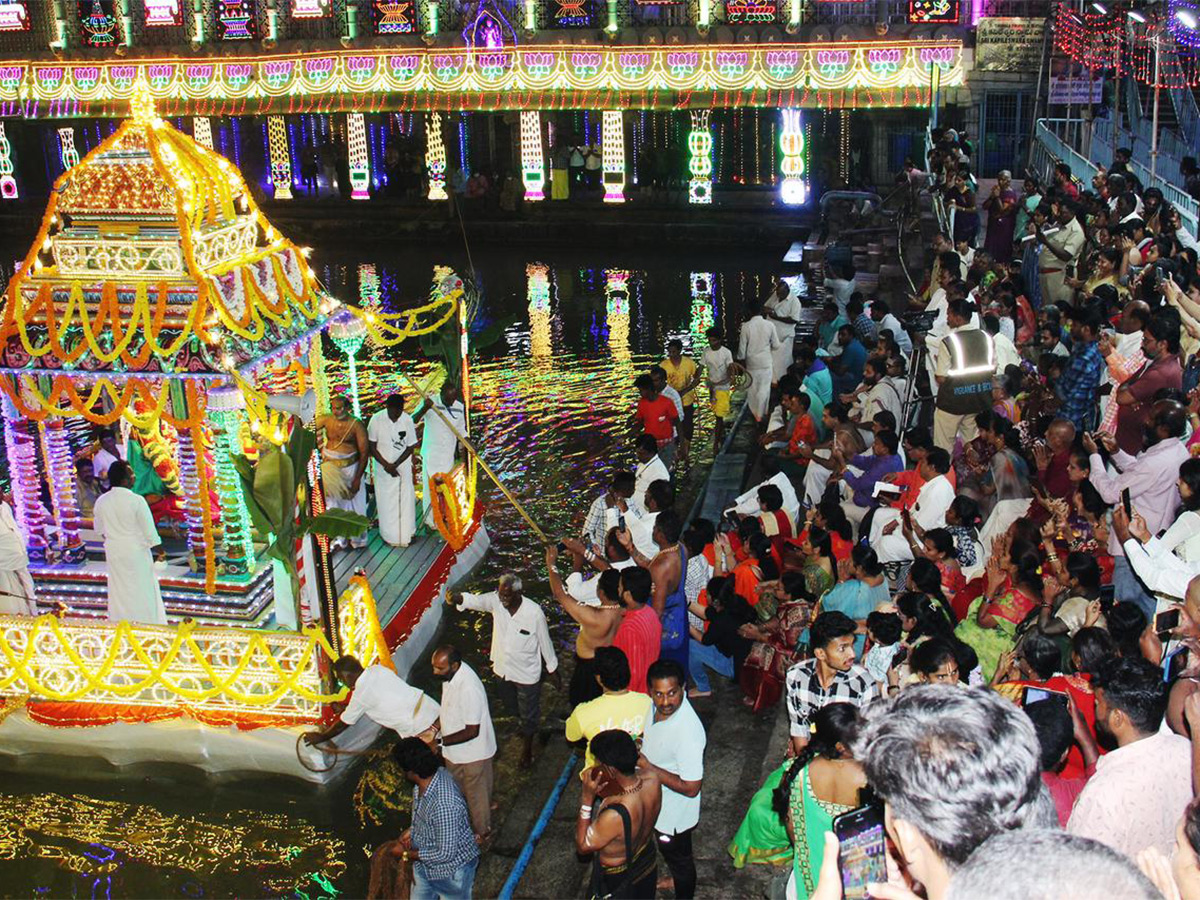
[(830, 676), (604, 512)]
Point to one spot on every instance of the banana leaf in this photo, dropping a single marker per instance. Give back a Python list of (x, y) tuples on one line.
[(245, 472), (337, 523), (275, 489), (300, 450)]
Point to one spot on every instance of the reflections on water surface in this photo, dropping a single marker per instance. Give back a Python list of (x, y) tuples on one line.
[(552, 402)]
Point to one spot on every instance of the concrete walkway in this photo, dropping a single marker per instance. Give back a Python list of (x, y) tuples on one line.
[(742, 750)]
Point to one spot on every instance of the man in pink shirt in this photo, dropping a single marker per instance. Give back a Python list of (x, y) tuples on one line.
[(640, 633), (1135, 398), (1151, 479), (1141, 788)]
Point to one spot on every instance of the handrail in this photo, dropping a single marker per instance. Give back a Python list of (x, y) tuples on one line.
[(944, 219)]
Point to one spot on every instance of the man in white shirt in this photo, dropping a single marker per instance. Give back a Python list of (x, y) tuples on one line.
[(386, 699), (756, 348), (658, 497), (874, 395), (1005, 350), (717, 361), (520, 645), (929, 510), (18, 597), (882, 316), (673, 746), (123, 519), (783, 309), (391, 437), (443, 416), (468, 739), (110, 452), (650, 469)]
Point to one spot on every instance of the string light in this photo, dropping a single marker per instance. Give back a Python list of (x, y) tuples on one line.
[(613, 149), (700, 147), (8, 184), (435, 157), (14, 15), (164, 12), (537, 276), (281, 162), (844, 145), (533, 165), (360, 166), (794, 190), (67, 154)]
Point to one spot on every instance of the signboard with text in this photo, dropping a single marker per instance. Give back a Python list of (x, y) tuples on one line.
[(1076, 90), (1009, 44)]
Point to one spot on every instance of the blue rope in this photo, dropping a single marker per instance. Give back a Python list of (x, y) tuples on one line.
[(539, 826)]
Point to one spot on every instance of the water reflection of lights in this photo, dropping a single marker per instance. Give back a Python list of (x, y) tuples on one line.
[(616, 304), (97, 838), (540, 338), (702, 308)]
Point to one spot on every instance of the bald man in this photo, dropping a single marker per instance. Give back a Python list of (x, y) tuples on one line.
[(1052, 459)]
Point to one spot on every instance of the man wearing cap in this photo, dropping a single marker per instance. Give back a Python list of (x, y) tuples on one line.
[(1063, 245)]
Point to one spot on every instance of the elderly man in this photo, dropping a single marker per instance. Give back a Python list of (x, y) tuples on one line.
[(520, 645), (123, 519), (17, 597), (783, 309), (343, 461), (391, 437), (443, 415)]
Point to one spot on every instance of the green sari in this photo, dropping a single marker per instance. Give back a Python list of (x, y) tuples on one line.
[(811, 818), (762, 836), (990, 643)]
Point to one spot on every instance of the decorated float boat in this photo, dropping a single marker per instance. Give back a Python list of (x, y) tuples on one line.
[(158, 299)]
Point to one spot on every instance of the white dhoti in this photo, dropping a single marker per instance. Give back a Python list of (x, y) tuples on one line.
[(133, 592), (123, 519), (815, 479), (16, 584), (758, 397), (396, 502), (337, 474), (889, 547), (438, 444), (781, 358)]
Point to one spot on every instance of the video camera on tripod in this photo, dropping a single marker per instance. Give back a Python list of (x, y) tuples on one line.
[(918, 324)]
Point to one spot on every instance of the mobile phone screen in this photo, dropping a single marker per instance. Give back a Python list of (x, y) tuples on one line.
[(1174, 665), (1128, 502), (1166, 620), (862, 854), (1033, 695)]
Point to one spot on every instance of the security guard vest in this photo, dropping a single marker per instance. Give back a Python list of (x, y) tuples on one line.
[(967, 387)]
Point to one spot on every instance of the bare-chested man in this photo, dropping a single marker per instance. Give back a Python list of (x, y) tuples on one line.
[(597, 626), (667, 569), (343, 461), (611, 787)]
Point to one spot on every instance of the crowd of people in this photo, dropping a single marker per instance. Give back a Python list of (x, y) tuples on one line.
[(966, 570)]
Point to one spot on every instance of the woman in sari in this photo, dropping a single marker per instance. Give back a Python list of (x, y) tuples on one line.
[(821, 783), (1007, 477), (1013, 590), (971, 465), (1030, 256), (1002, 218), (966, 217), (774, 649), (938, 547), (820, 567)]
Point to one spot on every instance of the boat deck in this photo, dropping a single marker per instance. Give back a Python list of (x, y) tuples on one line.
[(394, 572)]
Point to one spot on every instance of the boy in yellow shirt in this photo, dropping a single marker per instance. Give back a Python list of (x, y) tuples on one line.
[(618, 707)]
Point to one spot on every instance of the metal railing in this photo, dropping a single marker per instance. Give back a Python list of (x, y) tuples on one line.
[(943, 216), (1050, 148)]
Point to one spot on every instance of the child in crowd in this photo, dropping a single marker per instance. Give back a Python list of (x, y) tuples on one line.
[(883, 628), (719, 366)]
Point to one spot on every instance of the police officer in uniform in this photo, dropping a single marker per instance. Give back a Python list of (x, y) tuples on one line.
[(966, 362)]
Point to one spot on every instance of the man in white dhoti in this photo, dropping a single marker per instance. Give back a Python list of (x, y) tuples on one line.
[(756, 347), (343, 461), (102, 454), (783, 309), (16, 585), (391, 437), (438, 441), (123, 519), (928, 510)]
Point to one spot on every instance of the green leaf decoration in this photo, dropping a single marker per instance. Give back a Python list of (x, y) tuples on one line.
[(337, 523)]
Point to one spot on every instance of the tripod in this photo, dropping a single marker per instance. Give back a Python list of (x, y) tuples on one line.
[(914, 399)]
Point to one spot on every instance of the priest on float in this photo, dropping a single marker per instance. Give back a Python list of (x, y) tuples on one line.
[(124, 520)]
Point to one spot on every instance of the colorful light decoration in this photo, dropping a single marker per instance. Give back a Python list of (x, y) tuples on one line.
[(1182, 18), (613, 151), (349, 333), (750, 12), (225, 417), (236, 18), (202, 131), (489, 30), (700, 145), (360, 162), (281, 160), (538, 279), (8, 184), (310, 9), (533, 165), (98, 24), (395, 16), (933, 12), (59, 462), (14, 15), (794, 189), (164, 12), (702, 284), (550, 75), (572, 13), (435, 157), (67, 154), (616, 304)]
